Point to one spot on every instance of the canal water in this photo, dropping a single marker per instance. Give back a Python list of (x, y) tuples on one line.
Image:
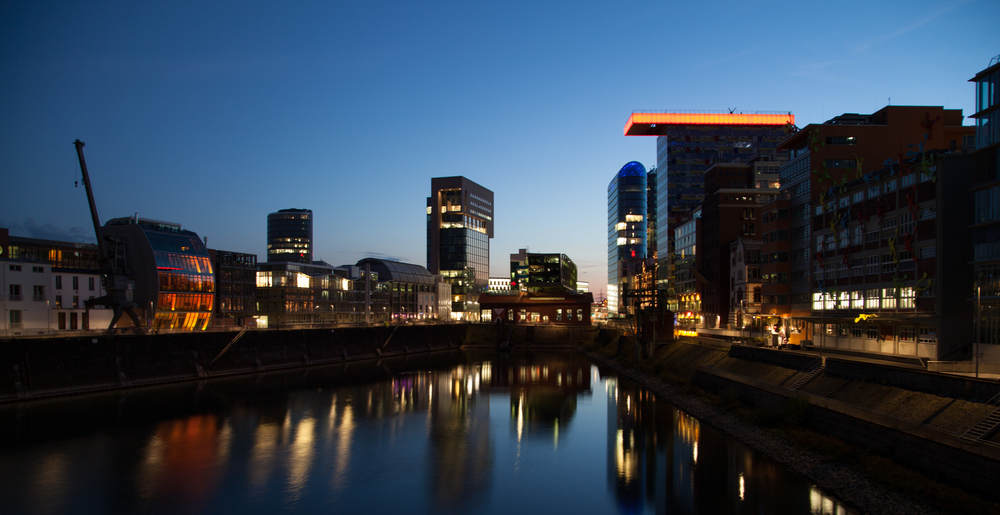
[(446, 432)]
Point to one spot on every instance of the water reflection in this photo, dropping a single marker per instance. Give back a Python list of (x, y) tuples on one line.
[(466, 432), (660, 456)]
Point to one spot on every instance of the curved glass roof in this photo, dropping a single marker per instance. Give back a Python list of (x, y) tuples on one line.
[(399, 272), (632, 169)]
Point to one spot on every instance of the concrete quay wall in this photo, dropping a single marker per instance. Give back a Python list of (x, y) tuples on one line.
[(34, 368), (937, 453)]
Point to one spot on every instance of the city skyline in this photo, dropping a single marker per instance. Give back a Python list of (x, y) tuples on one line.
[(213, 118)]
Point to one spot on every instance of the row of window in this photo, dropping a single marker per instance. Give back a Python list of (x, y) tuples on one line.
[(874, 332), (875, 298)]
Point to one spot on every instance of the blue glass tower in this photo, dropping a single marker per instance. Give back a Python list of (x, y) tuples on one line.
[(627, 224)]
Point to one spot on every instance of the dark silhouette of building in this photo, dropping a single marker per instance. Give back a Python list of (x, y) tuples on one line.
[(290, 236), (235, 287)]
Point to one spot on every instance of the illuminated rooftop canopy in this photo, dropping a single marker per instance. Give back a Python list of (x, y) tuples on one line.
[(656, 123)]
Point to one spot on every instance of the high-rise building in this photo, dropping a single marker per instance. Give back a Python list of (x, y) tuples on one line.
[(627, 250), (290, 236), (688, 144), (459, 228)]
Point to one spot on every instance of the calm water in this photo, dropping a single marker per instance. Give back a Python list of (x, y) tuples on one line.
[(450, 432)]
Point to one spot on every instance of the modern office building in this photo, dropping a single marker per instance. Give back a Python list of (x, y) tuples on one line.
[(627, 250), (171, 269), (290, 236), (986, 224), (411, 288), (459, 228), (823, 159), (688, 144), (890, 265), (235, 287), (302, 295), (540, 272)]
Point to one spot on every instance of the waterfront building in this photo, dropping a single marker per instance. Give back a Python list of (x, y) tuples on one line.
[(582, 286), (290, 236), (986, 221), (880, 261), (687, 145), (459, 228), (174, 283), (823, 158), (541, 307), (411, 291), (305, 295), (235, 287), (44, 285), (729, 211), (745, 282), (688, 279), (539, 272), (627, 250)]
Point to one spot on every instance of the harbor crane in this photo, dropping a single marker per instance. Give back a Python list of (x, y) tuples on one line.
[(114, 273)]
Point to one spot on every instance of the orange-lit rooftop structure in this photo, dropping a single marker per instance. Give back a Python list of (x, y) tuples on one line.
[(656, 123)]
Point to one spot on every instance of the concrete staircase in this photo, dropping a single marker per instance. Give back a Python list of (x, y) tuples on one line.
[(985, 427), (806, 378)]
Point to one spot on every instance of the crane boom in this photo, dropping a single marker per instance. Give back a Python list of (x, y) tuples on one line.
[(115, 283)]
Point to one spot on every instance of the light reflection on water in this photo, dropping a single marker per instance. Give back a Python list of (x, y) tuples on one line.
[(485, 434)]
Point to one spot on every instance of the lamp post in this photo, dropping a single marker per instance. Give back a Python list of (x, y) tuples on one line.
[(979, 321)]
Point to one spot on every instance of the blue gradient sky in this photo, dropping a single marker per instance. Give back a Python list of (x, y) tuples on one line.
[(214, 115)]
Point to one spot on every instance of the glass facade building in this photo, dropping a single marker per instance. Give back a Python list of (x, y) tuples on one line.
[(290, 236), (172, 270), (459, 228), (627, 226)]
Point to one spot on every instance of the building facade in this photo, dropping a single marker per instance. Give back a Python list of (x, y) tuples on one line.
[(627, 250), (540, 272), (823, 158), (174, 282), (459, 228), (235, 287), (986, 222), (290, 236), (45, 284), (687, 145)]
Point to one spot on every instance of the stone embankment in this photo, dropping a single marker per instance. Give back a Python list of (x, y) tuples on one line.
[(38, 368), (765, 379)]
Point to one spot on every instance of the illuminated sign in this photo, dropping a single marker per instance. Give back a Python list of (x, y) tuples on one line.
[(644, 124)]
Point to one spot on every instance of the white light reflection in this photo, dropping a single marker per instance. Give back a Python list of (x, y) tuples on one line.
[(265, 439), (520, 417), (555, 435), (345, 434), (299, 459), (151, 469), (743, 487), (695, 453)]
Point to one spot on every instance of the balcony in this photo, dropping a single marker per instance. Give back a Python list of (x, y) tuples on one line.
[(15, 297), (38, 298)]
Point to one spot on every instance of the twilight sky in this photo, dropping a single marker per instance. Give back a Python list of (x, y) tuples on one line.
[(212, 115)]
